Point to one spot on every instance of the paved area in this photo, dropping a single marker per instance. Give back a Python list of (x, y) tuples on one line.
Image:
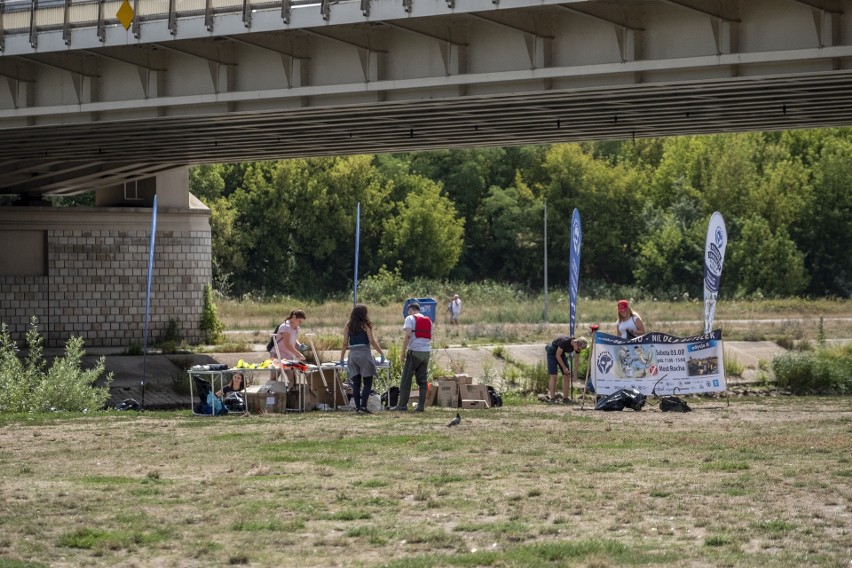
[(164, 376)]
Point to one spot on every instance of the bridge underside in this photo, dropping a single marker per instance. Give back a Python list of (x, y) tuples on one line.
[(91, 114)]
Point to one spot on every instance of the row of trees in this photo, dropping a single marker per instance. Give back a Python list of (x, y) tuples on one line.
[(289, 226)]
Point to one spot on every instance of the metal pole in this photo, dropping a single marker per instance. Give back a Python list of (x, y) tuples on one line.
[(148, 297), (545, 261), (357, 244)]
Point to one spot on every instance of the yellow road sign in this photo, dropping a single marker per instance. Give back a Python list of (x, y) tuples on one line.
[(125, 14)]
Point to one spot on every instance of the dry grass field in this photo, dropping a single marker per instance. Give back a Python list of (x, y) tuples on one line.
[(520, 321), (757, 483)]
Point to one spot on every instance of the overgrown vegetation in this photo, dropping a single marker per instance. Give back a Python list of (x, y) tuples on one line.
[(31, 385), (210, 323), (825, 370), (474, 215)]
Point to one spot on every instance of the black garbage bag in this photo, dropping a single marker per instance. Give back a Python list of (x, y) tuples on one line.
[(496, 399), (619, 400), (674, 404), (390, 398), (202, 388), (234, 402), (128, 404)]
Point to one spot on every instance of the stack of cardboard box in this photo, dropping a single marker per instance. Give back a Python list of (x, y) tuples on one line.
[(458, 391)]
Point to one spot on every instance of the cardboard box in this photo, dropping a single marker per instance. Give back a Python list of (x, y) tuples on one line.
[(448, 394), (463, 379), (260, 400), (306, 402), (285, 375), (473, 404), (432, 395), (275, 386), (323, 383), (474, 392)]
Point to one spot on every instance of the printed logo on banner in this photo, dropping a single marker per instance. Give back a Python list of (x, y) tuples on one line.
[(576, 236), (720, 237), (716, 383), (653, 370), (605, 362), (714, 268)]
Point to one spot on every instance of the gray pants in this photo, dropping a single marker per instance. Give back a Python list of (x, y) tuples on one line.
[(416, 364)]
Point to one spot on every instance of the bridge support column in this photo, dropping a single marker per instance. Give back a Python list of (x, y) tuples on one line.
[(82, 271)]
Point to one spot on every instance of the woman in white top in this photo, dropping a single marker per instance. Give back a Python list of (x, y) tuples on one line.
[(286, 337), (629, 323)]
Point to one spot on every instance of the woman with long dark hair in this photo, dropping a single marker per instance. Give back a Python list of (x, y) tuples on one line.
[(357, 338)]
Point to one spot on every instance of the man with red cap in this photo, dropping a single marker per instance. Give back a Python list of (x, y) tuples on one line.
[(629, 323)]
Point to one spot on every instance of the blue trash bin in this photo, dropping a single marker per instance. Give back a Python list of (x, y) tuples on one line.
[(428, 307)]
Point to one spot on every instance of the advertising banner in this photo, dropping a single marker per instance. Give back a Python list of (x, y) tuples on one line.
[(660, 363), (574, 268), (714, 256)]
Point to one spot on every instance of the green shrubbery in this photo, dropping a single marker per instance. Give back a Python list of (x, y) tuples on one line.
[(823, 371), (210, 324), (29, 385)]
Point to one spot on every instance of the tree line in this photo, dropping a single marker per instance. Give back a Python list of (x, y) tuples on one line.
[(288, 227)]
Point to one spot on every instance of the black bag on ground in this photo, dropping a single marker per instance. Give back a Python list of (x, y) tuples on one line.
[(674, 404), (128, 404), (390, 397), (202, 389), (619, 400), (496, 399), (234, 402)]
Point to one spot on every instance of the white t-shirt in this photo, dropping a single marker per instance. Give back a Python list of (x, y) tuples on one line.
[(288, 336), (455, 307), (416, 343), (628, 325)]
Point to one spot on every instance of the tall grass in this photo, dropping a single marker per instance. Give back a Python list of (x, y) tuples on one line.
[(502, 313), (823, 371)]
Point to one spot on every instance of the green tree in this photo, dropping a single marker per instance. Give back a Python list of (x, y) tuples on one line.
[(671, 256), (763, 261), (610, 201), (206, 182), (510, 247), (424, 237), (827, 226), (261, 223)]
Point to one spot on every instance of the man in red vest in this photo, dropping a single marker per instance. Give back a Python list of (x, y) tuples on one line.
[(415, 352)]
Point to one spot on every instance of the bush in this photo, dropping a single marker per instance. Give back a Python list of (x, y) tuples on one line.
[(824, 371), (30, 386), (210, 324)]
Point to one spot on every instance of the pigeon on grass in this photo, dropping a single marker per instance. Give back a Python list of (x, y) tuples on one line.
[(455, 421)]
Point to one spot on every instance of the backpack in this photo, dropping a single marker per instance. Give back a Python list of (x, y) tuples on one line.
[(271, 345)]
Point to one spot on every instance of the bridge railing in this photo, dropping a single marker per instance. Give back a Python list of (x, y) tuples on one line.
[(34, 16)]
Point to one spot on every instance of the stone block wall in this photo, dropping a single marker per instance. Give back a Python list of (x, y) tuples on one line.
[(96, 270)]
